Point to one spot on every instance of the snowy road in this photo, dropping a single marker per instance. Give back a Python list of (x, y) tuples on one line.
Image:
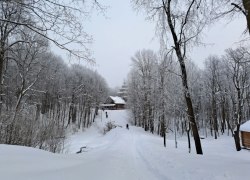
[(123, 158), (119, 159), (124, 154), (119, 154)]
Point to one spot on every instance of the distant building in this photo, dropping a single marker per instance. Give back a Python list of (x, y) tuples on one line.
[(123, 92), (114, 102)]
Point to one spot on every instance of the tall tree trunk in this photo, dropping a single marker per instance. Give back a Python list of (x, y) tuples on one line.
[(151, 119), (180, 57), (193, 125), (190, 111), (1, 78), (237, 138), (163, 129), (188, 135), (214, 115), (223, 116), (246, 4), (239, 117)]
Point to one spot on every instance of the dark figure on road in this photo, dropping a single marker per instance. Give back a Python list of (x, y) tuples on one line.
[(106, 114), (127, 126)]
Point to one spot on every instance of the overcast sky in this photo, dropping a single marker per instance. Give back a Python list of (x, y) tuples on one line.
[(124, 31), (117, 38)]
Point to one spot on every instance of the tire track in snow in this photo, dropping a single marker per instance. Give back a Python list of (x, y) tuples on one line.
[(147, 164)]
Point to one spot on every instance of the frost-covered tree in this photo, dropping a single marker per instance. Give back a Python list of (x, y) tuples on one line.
[(238, 67), (59, 21), (142, 81), (180, 24), (212, 84), (45, 96)]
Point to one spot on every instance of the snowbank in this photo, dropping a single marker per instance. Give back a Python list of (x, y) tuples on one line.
[(124, 154)]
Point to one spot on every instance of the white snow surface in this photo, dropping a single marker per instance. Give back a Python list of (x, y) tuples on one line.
[(123, 154), (245, 126), (117, 100)]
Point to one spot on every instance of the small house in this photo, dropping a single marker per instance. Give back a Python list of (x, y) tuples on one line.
[(114, 102), (245, 134)]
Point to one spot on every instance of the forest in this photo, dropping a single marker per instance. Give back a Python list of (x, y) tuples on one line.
[(215, 98), (220, 93), (41, 97)]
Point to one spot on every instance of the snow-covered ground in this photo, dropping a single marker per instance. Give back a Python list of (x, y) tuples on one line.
[(125, 154)]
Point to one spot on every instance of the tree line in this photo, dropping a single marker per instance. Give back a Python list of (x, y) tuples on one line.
[(41, 97), (220, 93), (179, 25)]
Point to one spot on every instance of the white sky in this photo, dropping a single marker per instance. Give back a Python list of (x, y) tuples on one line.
[(117, 38), (124, 31)]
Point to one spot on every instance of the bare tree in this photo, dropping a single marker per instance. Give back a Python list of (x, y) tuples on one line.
[(238, 66), (184, 20), (144, 64), (29, 60), (246, 5), (212, 75), (59, 21), (228, 8)]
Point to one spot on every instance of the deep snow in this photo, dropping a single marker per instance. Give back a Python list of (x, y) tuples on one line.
[(125, 154)]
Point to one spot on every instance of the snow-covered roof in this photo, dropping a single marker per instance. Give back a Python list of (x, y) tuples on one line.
[(117, 100), (106, 105), (245, 126)]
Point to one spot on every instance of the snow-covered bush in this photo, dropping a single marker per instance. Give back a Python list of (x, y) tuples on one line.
[(109, 126)]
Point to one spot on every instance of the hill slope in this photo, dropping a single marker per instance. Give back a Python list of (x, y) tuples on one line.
[(124, 154)]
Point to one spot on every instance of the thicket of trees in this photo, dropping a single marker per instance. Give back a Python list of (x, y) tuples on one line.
[(179, 25), (220, 93), (40, 96)]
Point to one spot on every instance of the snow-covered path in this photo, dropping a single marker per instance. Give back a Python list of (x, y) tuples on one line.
[(124, 154), (117, 154)]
